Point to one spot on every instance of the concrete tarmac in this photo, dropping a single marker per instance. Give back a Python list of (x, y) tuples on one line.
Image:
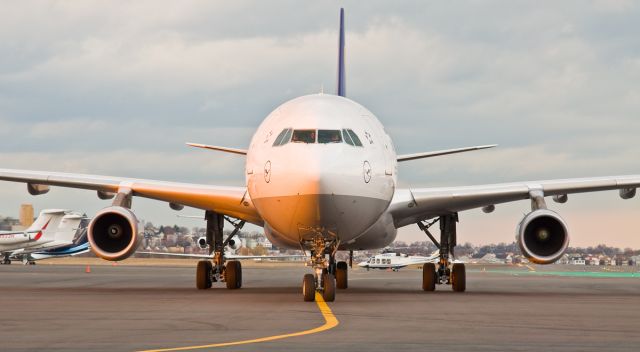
[(129, 308)]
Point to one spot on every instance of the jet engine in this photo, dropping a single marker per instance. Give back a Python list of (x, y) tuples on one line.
[(233, 244), (542, 236), (202, 242), (113, 233)]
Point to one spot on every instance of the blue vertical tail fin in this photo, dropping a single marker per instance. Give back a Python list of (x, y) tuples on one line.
[(341, 91)]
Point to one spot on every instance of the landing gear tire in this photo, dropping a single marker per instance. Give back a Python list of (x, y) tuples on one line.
[(233, 275), (203, 277), (328, 288), (458, 278), (341, 275), (429, 277), (309, 288)]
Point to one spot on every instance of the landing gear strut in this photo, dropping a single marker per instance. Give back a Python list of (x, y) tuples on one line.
[(216, 270), (27, 260), (6, 259), (324, 270), (453, 274)]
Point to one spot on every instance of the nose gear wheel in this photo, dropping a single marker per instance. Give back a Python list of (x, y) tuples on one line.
[(320, 244)]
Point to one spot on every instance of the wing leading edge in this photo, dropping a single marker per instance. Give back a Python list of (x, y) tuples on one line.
[(231, 201), (412, 205), (407, 157)]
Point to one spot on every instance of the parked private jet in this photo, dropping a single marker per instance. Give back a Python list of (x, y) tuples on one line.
[(53, 230), (321, 175)]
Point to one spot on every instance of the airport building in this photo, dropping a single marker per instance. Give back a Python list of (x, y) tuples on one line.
[(26, 215)]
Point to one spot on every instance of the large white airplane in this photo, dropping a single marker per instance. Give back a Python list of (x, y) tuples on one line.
[(321, 175), (53, 229)]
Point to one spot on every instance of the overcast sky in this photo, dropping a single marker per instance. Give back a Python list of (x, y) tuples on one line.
[(117, 87)]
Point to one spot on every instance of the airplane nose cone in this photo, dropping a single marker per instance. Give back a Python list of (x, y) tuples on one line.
[(317, 188)]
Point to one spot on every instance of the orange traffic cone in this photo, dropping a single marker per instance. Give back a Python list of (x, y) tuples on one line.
[(87, 270)]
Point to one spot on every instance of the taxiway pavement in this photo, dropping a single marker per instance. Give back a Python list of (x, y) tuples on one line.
[(505, 308)]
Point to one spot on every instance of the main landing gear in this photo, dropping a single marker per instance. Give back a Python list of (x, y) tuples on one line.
[(327, 273), (5, 259), (453, 274), (217, 269)]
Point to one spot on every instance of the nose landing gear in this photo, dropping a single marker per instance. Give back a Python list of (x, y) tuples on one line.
[(448, 273), (323, 279), (216, 270)]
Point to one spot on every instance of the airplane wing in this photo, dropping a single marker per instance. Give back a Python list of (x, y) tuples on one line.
[(231, 201), (412, 205), (227, 256)]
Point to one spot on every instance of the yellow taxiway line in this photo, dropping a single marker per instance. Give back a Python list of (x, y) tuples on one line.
[(330, 322)]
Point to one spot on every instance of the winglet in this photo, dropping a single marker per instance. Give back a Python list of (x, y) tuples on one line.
[(406, 157), (342, 88), (222, 149)]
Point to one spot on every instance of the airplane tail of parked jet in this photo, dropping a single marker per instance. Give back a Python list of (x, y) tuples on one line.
[(42, 230), (67, 228), (46, 223)]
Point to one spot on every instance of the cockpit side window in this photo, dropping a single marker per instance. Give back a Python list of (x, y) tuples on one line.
[(282, 137), (329, 136), (304, 136), (346, 137), (354, 137)]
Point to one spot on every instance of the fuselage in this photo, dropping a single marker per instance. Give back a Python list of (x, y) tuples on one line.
[(15, 240), (322, 163)]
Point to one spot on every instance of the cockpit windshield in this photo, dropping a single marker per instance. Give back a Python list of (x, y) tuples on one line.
[(329, 136), (304, 136), (317, 136)]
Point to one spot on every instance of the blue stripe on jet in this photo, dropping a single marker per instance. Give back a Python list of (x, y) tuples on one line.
[(66, 251)]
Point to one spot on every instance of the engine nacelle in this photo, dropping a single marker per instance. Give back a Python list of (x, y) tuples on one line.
[(113, 233), (542, 236), (234, 244), (202, 242)]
